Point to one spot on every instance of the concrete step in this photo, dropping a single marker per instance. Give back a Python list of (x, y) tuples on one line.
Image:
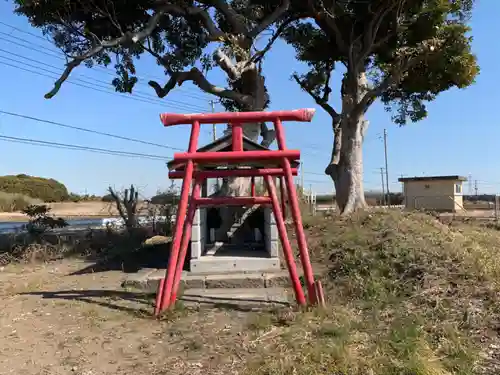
[(238, 223), (148, 280), (245, 262), (238, 296)]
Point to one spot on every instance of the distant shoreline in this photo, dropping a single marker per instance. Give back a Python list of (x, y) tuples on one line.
[(12, 217), (69, 211)]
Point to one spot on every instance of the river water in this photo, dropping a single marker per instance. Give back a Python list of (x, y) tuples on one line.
[(83, 223), (12, 226)]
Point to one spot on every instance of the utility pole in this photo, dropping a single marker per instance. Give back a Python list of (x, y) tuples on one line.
[(475, 187), (470, 184), (302, 177), (386, 170), (383, 187), (214, 128)]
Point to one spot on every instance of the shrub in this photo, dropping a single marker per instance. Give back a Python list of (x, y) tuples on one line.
[(15, 202), (40, 221), (107, 198)]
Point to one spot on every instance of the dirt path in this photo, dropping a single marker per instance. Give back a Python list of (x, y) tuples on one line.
[(55, 323)]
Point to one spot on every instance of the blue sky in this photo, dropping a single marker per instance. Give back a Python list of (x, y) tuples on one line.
[(459, 136)]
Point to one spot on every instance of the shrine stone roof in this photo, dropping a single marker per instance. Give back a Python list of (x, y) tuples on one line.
[(225, 144)]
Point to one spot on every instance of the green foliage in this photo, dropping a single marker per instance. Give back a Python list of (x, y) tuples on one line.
[(107, 198), (410, 52), (40, 221), (178, 39), (45, 189), (73, 197)]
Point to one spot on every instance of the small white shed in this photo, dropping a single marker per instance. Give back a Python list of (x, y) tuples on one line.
[(435, 193)]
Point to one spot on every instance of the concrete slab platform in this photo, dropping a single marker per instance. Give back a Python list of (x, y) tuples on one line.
[(219, 264), (250, 297), (147, 280)]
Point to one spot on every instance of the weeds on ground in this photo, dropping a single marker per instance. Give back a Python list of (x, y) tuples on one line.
[(407, 295)]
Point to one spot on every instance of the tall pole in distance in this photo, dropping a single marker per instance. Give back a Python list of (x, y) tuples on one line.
[(302, 177), (214, 136), (386, 170), (383, 187), (214, 128)]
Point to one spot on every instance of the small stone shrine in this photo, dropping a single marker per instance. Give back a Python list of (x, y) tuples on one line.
[(246, 240)]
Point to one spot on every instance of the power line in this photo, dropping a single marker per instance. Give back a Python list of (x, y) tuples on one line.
[(88, 130), (95, 86), (59, 55), (130, 97), (144, 97), (104, 87), (38, 142), (104, 84)]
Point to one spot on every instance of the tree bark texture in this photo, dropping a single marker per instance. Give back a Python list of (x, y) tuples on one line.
[(346, 163), (252, 84)]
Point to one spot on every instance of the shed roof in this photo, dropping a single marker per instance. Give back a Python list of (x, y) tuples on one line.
[(225, 144), (433, 178)]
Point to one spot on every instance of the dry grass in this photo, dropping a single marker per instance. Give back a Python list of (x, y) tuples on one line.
[(15, 202), (407, 295), (72, 210)]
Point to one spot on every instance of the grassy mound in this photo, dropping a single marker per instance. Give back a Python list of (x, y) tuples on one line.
[(407, 296), (45, 189)]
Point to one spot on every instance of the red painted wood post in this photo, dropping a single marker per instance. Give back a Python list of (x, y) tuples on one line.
[(252, 186), (237, 137), (285, 242), (185, 239), (165, 287), (297, 219), (283, 196)]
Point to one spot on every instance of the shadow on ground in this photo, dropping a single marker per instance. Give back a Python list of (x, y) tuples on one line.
[(104, 298), (155, 257), (144, 302)]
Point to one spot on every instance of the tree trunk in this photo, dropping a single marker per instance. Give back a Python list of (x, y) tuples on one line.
[(346, 163), (348, 176), (251, 83)]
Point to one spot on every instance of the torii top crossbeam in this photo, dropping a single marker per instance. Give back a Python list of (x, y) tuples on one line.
[(300, 115), (236, 120)]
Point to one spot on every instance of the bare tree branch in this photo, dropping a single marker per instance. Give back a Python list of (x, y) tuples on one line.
[(268, 21), (197, 77), (327, 107), (406, 60), (226, 64), (371, 31), (119, 207), (325, 18), (259, 55), (135, 37), (229, 13)]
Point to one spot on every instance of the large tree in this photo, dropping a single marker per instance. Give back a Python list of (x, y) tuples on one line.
[(185, 37), (403, 52), (179, 34)]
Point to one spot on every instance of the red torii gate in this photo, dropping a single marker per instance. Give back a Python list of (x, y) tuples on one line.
[(168, 287)]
